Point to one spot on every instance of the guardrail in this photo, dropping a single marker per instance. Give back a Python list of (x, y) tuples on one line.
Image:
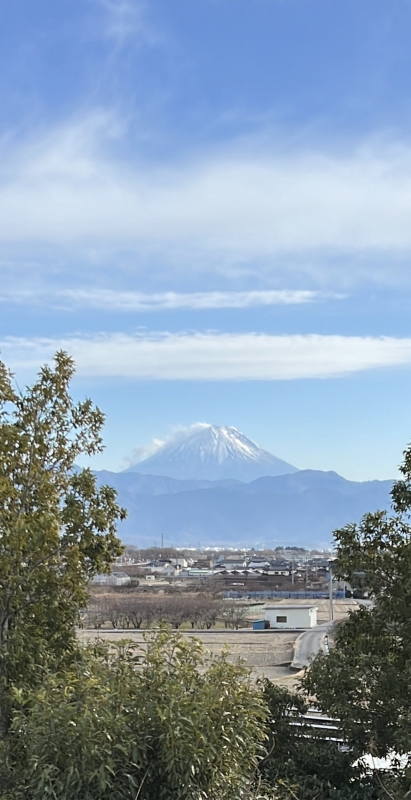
[(316, 724), (267, 594)]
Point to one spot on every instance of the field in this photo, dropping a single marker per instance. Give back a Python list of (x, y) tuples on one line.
[(267, 653)]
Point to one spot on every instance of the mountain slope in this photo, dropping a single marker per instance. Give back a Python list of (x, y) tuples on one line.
[(299, 509), (133, 483), (213, 453)]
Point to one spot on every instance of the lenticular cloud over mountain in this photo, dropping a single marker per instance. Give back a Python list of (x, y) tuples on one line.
[(211, 452)]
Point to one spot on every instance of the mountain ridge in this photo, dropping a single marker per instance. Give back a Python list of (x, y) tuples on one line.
[(301, 509)]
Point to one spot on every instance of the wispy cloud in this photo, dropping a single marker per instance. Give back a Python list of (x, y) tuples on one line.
[(69, 190), (111, 300), (213, 356), (125, 19), (141, 452), (177, 435)]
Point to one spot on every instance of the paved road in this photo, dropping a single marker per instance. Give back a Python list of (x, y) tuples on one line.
[(308, 644)]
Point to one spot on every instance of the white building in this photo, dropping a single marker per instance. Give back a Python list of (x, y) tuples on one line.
[(195, 573), (113, 579), (180, 562), (277, 571), (171, 571), (291, 616)]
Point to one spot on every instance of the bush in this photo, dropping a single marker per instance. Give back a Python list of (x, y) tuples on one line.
[(158, 723)]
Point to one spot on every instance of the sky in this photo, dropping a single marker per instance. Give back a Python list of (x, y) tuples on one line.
[(208, 204)]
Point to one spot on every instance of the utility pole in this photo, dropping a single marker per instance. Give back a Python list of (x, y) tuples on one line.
[(162, 541), (330, 591)]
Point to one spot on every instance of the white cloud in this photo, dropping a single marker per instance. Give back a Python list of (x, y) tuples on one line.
[(68, 190), (178, 434), (112, 300), (213, 356), (142, 452)]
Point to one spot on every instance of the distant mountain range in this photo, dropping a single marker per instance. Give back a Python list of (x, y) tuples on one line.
[(212, 452), (296, 509), (211, 485)]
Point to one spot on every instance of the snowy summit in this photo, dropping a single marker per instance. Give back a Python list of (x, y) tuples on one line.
[(211, 452)]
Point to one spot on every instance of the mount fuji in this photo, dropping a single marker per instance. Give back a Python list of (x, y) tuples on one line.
[(212, 485), (212, 453)]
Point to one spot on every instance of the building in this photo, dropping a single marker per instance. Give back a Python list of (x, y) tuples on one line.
[(113, 579), (203, 563), (181, 562), (277, 571), (195, 573), (171, 571), (258, 563), (233, 563), (291, 616)]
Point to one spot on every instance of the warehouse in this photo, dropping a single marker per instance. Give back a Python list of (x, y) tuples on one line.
[(291, 616)]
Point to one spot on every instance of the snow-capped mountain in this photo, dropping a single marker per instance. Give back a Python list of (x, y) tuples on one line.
[(210, 452)]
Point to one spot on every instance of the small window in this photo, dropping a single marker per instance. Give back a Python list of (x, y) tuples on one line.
[(281, 619)]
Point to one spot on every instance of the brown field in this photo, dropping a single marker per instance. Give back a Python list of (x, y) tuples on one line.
[(267, 653)]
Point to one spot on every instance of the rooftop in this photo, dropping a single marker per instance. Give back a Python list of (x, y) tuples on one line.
[(283, 606)]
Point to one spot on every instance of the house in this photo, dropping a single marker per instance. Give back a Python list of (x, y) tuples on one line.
[(291, 616), (203, 563), (233, 562), (171, 571), (180, 562), (258, 563), (157, 566)]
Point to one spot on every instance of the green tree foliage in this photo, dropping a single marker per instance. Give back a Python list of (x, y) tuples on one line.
[(56, 528), (161, 722), (304, 762), (365, 681)]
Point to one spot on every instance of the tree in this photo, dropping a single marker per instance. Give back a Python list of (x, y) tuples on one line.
[(157, 722), (57, 529), (305, 762), (234, 614), (96, 614), (365, 681), (135, 610)]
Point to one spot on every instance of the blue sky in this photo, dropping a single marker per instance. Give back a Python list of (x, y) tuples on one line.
[(208, 203)]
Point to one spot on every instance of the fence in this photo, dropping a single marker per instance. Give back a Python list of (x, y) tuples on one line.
[(338, 594)]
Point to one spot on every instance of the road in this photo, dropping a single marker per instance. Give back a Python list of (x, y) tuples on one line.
[(308, 644)]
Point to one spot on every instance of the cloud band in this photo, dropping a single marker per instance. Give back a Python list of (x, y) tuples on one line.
[(213, 356), (112, 300)]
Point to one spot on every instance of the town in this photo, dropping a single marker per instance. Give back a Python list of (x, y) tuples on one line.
[(282, 573)]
